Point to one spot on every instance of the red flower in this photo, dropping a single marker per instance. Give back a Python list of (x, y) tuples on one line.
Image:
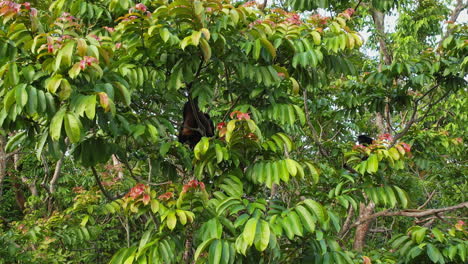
[(294, 19), (166, 196), (386, 136), (146, 199), (220, 125), (193, 184), (359, 147), (459, 225), (140, 7), (27, 5), (118, 45), (109, 29), (136, 191), (34, 12), (87, 61), (281, 74), (240, 115), (406, 147), (250, 4)]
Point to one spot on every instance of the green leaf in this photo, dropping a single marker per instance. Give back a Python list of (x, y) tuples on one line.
[(317, 209), (268, 46), (201, 148), (90, 106), (262, 236), (13, 75), (67, 52), (418, 234), (28, 73), (394, 153), (372, 163), (202, 247), (215, 253), (154, 134), (171, 220), (32, 99), (73, 127), (53, 83), (56, 124), (124, 93), (306, 218), (250, 230), (21, 95), (434, 253), (165, 34)]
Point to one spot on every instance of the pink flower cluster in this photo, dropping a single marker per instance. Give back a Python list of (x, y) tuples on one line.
[(166, 196), (66, 17), (87, 61), (240, 115), (249, 4), (8, 7), (193, 184), (109, 29), (294, 19), (319, 20), (136, 191), (348, 13), (386, 137)]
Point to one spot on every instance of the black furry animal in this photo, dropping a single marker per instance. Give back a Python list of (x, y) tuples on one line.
[(195, 125), (365, 140)]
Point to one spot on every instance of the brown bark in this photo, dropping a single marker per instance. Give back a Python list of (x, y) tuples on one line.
[(2, 162), (363, 228), (410, 213), (118, 166), (379, 21), (55, 177)]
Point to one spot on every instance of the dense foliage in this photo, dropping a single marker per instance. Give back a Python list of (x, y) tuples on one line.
[(91, 103)]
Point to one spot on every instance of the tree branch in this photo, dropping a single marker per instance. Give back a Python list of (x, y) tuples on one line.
[(106, 194), (453, 17), (315, 136), (413, 118), (410, 213)]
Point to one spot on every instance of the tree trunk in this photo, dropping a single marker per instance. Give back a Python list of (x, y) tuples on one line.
[(362, 229), (2, 162)]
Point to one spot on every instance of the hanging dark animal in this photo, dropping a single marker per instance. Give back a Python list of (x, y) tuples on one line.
[(195, 124), (365, 140)]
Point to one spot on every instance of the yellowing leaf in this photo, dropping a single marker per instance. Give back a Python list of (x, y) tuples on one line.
[(206, 49), (268, 46), (171, 220)]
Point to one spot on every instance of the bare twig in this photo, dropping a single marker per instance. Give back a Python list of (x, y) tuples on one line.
[(347, 223), (427, 201), (315, 136), (413, 118), (106, 194)]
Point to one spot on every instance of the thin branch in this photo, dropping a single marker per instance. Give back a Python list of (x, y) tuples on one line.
[(315, 136), (58, 168), (459, 7), (427, 201), (347, 223), (106, 194), (410, 213), (413, 118), (358, 4)]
